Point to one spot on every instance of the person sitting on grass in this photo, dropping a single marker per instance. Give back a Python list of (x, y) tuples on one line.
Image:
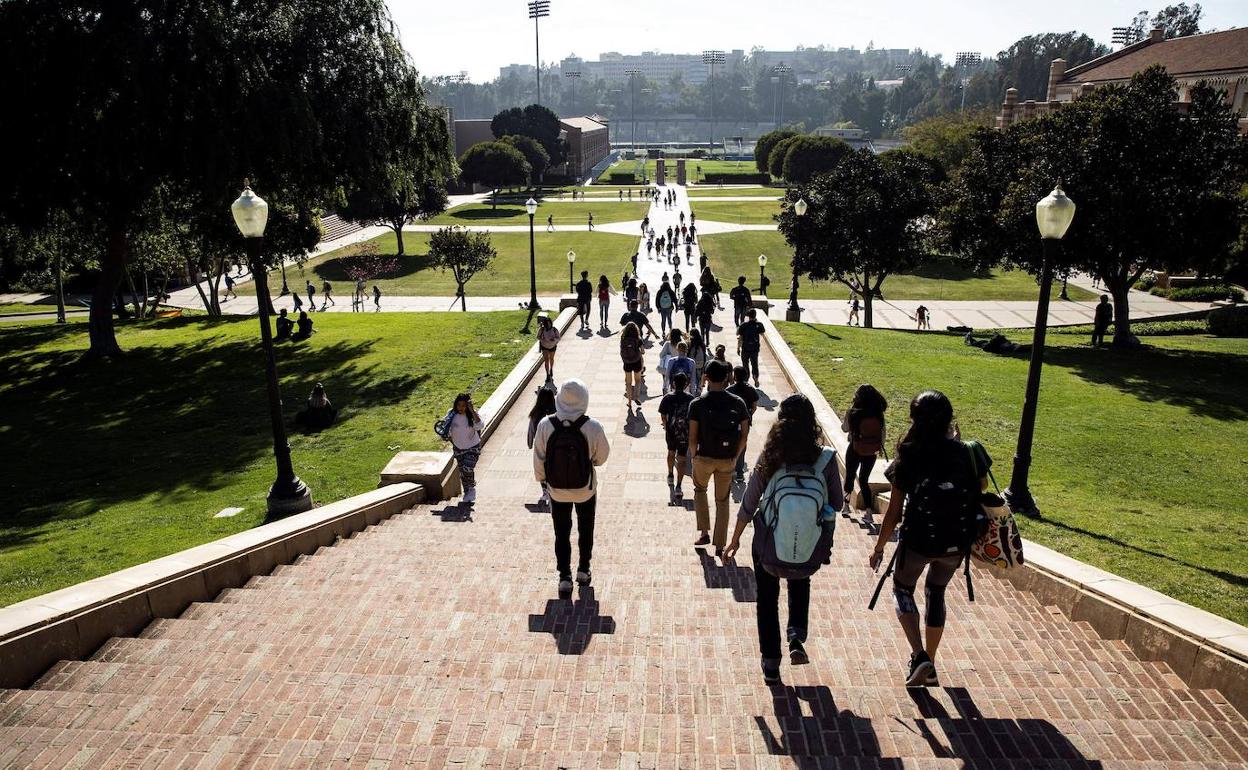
[(319, 413), (304, 325), (284, 326)]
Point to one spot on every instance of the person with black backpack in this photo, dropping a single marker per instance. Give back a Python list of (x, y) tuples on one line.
[(674, 412), (584, 294), (665, 300), (718, 421), (939, 479), (793, 497), (689, 304), (567, 446), (633, 357), (864, 425)]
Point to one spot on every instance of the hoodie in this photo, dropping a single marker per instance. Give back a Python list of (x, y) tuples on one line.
[(570, 404)]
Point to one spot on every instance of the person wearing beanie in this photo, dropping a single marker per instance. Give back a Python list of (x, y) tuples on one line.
[(567, 447)]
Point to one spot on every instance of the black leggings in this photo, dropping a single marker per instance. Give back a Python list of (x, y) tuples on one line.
[(909, 566), (863, 466), (561, 514), (768, 607)]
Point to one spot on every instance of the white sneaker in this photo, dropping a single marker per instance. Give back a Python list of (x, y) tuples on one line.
[(470, 495), (565, 585), (583, 577)]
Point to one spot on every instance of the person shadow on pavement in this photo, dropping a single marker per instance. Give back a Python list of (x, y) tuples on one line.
[(827, 732), (573, 622), (739, 580)]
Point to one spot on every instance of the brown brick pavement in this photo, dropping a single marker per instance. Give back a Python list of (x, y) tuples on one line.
[(437, 640)]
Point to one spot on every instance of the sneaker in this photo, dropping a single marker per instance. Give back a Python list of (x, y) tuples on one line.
[(921, 669), (771, 672), (470, 495), (703, 540), (565, 584), (719, 551), (583, 577), (670, 478), (678, 494), (797, 653)]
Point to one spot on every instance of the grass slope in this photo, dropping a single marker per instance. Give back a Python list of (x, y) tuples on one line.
[(569, 213), (740, 212), (691, 168), (509, 275), (1138, 465), (733, 254), (714, 191), (124, 462)]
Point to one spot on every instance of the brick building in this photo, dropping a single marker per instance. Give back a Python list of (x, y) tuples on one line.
[(588, 143), (1218, 58)]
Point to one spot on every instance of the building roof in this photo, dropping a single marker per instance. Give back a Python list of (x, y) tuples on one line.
[(1181, 56), (582, 122)]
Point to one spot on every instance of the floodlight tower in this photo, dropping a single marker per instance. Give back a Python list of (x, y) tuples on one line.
[(538, 9), (573, 76), (710, 59), (781, 71), (632, 73), (964, 60)]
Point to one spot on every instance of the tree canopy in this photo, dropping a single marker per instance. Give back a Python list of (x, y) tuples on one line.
[(947, 138), (463, 254), (808, 156), (495, 165), (537, 122), (764, 146), (533, 152)]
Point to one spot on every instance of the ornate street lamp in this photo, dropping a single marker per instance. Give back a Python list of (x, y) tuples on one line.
[(762, 274), (1053, 217), (531, 206), (571, 264), (794, 313), (288, 494)]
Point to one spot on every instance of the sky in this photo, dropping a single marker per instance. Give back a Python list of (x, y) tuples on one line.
[(479, 36)]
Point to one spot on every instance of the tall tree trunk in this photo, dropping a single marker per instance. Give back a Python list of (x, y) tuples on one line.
[(398, 236), (1120, 290), (494, 200), (100, 327), (193, 275), (868, 295), (60, 292), (463, 299)]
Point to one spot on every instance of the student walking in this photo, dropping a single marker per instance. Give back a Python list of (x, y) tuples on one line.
[(853, 311), (741, 301), (637, 318), (548, 343), (923, 317), (584, 295), (550, 223), (311, 297), (706, 312), (327, 296), (700, 356), (567, 447), (643, 299), (1101, 320), (749, 341), (717, 431), (864, 425), (665, 299), (634, 359), (229, 287), (795, 456), (667, 352), (296, 303), (689, 304), (463, 428), (674, 412), (938, 479), (681, 362), (604, 302), (543, 407), (376, 298), (591, 221), (742, 390)]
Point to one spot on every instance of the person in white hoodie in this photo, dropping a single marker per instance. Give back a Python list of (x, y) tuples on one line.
[(567, 447)]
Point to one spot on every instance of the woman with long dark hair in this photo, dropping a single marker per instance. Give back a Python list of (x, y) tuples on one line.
[(936, 482), (543, 407), (864, 424), (465, 428), (794, 440), (604, 301)]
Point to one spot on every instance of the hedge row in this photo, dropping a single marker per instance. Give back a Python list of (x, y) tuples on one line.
[(1229, 321), (622, 177), (730, 177)]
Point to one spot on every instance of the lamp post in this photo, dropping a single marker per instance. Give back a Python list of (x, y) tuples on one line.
[(762, 274), (794, 312), (571, 264), (531, 206), (288, 494), (1053, 217)]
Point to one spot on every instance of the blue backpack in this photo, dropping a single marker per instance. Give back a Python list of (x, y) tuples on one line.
[(794, 526)]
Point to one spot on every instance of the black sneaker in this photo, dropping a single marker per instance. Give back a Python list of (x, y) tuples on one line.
[(797, 653), (703, 540), (921, 670), (771, 673), (583, 577)]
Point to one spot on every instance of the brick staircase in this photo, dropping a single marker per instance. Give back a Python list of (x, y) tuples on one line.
[(436, 639), (334, 227)]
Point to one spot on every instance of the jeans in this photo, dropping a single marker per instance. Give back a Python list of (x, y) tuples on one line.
[(604, 311), (749, 359), (738, 314), (688, 319), (704, 325), (665, 319), (704, 469), (1098, 335), (561, 515), (863, 466), (582, 312), (741, 466), (768, 607)]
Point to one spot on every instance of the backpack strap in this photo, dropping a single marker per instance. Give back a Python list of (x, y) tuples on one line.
[(826, 455), (972, 447)]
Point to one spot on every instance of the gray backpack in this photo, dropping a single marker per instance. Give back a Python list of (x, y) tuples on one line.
[(793, 531)]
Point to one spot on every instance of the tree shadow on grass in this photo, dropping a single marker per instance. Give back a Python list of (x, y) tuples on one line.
[(1207, 384), (337, 269), (159, 419), (946, 270), (502, 212)]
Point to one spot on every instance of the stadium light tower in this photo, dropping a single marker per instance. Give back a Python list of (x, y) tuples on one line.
[(710, 59), (964, 60), (573, 76), (781, 71), (538, 9), (632, 103)]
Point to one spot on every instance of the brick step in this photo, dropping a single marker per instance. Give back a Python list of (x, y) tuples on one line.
[(39, 749), (810, 718), (1027, 699)]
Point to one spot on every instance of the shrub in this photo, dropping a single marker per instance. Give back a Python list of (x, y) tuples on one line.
[(1229, 321), (731, 177), (1149, 328), (1158, 291), (1206, 294), (622, 177), (1146, 282)]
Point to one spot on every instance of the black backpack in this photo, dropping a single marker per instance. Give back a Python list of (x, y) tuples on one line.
[(679, 422), (630, 349), (943, 515), (568, 465), (719, 432)]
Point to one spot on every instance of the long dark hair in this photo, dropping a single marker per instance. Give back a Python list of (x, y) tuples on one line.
[(630, 331), (868, 402), (545, 404), (469, 412), (931, 413), (794, 439)]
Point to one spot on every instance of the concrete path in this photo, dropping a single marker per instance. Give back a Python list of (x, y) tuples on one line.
[(436, 639)]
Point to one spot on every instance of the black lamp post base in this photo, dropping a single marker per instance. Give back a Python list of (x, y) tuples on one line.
[(289, 497), (792, 313), (1021, 502)]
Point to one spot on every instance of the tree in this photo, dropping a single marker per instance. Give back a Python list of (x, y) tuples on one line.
[(1025, 64), (532, 151), (495, 165), (764, 146), (537, 122), (775, 158), (947, 138), (867, 220), (464, 254), (1179, 20), (808, 156), (1156, 188), (132, 96)]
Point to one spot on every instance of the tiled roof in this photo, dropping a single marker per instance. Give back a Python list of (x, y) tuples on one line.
[(1181, 56), (583, 123)]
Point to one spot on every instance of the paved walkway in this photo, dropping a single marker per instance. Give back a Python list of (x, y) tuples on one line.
[(436, 639)]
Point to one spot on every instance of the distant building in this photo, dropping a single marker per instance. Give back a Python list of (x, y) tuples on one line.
[(519, 70), (660, 67), (1218, 58), (586, 136), (854, 137)]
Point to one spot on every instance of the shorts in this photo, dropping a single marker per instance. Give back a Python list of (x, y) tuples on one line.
[(674, 446), (549, 350), (634, 367)]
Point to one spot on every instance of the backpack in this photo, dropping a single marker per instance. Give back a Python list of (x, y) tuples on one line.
[(568, 464), (793, 534), (679, 422), (719, 432), (868, 440), (443, 427), (630, 350), (943, 516), (665, 299)]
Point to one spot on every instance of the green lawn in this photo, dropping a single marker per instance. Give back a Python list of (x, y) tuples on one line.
[(691, 168), (1136, 455), (598, 253), (733, 254), (714, 191), (124, 462), (483, 214), (739, 212), (22, 307)]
